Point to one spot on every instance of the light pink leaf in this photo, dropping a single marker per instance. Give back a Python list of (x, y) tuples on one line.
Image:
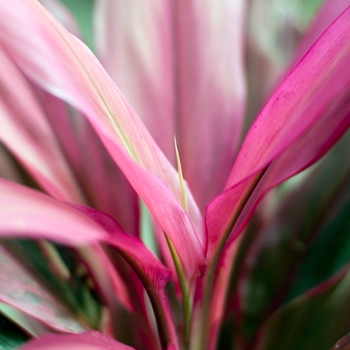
[(210, 91), (24, 127), (93, 167), (139, 58), (306, 115), (186, 79), (61, 64), (83, 341), (20, 290), (29, 213)]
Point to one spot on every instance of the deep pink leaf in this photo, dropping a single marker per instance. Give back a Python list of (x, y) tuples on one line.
[(83, 341), (19, 289), (61, 64), (306, 115), (148, 268)]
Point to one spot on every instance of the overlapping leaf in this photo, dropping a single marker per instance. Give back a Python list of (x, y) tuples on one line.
[(303, 244), (305, 116), (23, 126), (20, 290), (78, 78), (171, 80)]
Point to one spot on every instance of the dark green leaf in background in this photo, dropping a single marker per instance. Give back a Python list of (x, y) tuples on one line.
[(11, 336), (305, 243)]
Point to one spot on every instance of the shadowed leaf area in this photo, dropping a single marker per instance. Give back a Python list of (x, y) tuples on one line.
[(304, 245), (11, 336)]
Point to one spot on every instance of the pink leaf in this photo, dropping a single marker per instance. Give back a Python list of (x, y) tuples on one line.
[(148, 268), (210, 91), (306, 115), (29, 213), (168, 77), (139, 58), (93, 167), (24, 127), (61, 64), (83, 341)]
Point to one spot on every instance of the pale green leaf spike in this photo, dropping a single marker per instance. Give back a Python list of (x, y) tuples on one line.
[(181, 178)]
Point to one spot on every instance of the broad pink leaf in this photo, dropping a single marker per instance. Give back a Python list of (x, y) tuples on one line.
[(24, 127), (140, 59), (19, 289), (306, 115), (84, 341), (210, 91), (92, 165), (29, 213), (61, 64), (168, 76)]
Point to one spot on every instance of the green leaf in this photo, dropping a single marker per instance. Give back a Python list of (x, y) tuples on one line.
[(314, 321), (302, 245), (11, 336), (60, 269)]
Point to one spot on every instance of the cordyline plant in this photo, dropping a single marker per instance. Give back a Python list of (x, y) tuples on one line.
[(83, 179)]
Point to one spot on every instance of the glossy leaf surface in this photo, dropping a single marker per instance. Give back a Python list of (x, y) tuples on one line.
[(79, 79), (303, 244), (83, 341), (315, 320), (293, 130)]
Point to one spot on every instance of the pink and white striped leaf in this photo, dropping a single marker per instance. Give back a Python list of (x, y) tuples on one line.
[(139, 58), (32, 214), (20, 290), (61, 64), (24, 127), (306, 115), (29, 213), (210, 91), (167, 75), (84, 341), (92, 165)]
